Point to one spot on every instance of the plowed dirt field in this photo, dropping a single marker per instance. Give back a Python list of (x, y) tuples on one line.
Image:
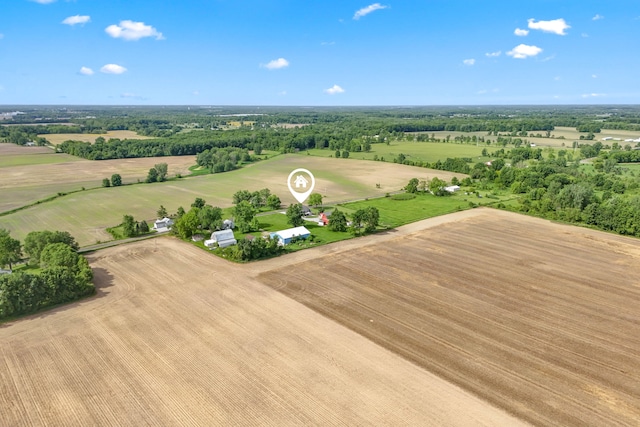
[(538, 318), (176, 336)]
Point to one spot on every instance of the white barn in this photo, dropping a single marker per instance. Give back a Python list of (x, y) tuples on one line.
[(223, 238), (163, 224)]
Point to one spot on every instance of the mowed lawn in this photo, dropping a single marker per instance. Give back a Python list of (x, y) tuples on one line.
[(424, 151), (87, 214), (394, 213)]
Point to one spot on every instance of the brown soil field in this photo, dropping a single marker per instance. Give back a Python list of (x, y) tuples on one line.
[(176, 336), (24, 184), (59, 138), (537, 318)]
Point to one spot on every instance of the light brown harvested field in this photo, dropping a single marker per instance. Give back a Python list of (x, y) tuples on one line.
[(179, 337), (24, 184), (538, 318), (59, 138)]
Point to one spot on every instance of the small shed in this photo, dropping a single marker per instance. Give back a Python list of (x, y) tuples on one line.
[(228, 224), (163, 224), (452, 188), (223, 238), (286, 236)]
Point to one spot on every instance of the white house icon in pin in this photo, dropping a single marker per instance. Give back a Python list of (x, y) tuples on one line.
[(301, 182)]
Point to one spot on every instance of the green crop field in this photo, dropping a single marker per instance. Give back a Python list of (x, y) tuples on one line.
[(87, 214)]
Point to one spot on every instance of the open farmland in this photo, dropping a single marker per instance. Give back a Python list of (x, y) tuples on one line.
[(59, 138), (425, 151), (29, 174), (87, 214), (176, 336), (538, 318), (560, 135)]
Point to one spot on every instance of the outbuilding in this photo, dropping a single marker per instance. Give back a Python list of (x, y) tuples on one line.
[(223, 238), (163, 224), (452, 188), (286, 236)]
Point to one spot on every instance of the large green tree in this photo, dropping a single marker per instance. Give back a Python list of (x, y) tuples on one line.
[(244, 214), (210, 217), (116, 180), (128, 226), (315, 199), (10, 252), (294, 215), (188, 224), (162, 170), (273, 202), (59, 255), (36, 241), (337, 221)]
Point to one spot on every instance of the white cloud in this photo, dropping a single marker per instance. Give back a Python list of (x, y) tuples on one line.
[(593, 95), (196, 92), (555, 26), (1, 88), (130, 30), (469, 61), (367, 10), (520, 32), (557, 78), (77, 19), (276, 64), (327, 43), (493, 54), (1, 36), (334, 90), (113, 69), (597, 17), (523, 51), (585, 35), (86, 71), (594, 76), (282, 93), (44, 1)]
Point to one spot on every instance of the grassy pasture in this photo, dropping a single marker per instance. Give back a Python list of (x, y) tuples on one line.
[(59, 138), (425, 151), (87, 214), (394, 213)]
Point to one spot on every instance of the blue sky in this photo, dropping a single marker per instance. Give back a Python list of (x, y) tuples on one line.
[(319, 52)]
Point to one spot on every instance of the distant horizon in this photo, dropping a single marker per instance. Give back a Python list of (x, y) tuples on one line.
[(318, 106), (332, 53)]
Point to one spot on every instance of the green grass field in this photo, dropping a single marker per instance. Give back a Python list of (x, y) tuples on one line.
[(394, 213), (425, 151)]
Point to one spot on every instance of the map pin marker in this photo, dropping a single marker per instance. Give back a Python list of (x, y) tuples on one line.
[(301, 182)]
